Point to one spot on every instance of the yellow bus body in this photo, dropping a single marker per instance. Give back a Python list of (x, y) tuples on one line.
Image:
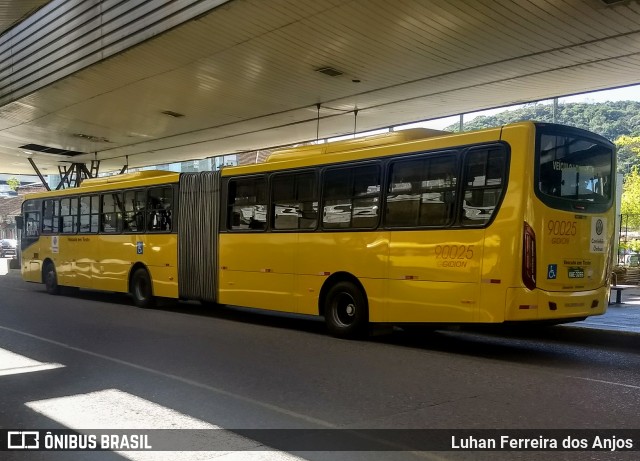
[(446, 275), (104, 261), (399, 271)]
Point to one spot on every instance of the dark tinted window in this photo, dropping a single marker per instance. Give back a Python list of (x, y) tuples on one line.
[(351, 197), (422, 192), (484, 178), (134, 206), (31, 224), (295, 204), (247, 204), (573, 169), (89, 213), (51, 216), (111, 217), (160, 209), (69, 215)]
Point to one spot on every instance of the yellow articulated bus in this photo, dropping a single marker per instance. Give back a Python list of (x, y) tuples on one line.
[(511, 224)]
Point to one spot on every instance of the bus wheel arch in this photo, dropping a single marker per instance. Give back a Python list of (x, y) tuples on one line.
[(343, 303), (141, 286), (50, 277)]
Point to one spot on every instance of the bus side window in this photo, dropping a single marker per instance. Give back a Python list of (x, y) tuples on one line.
[(69, 215), (292, 199), (422, 192), (111, 217), (51, 216), (247, 204), (351, 197), (31, 224), (89, 208), (134, 204), (485, 170), (159, 209)]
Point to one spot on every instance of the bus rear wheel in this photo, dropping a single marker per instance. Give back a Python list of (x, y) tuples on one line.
[(142, 289), (346, 312), (51, 279)]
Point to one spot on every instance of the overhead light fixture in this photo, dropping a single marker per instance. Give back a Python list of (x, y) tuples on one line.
[(330, 71), (50, 150), (171, 113), (91, 138)]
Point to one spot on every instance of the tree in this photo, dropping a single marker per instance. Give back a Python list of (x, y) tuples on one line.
[(13, 183), (618, 121), (610, 119), (630, 205), (628, 152)]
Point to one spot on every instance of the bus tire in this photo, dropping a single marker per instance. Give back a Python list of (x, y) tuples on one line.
[(142, 289), (346, 313), (51, 278)]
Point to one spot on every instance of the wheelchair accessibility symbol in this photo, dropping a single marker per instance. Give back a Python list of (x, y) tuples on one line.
[(552, 271)]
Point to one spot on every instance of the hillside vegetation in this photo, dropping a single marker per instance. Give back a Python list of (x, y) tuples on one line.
[(618, 121)]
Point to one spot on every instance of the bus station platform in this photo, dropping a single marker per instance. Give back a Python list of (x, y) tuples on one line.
[(622, 317)]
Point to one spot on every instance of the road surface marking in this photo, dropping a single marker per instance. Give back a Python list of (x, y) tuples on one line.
[(115, 409), (13, 364)]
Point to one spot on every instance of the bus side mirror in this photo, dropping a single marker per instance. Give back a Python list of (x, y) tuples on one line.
[(19, 222)]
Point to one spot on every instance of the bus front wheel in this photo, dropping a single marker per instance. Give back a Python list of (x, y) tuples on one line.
[(345, 312), (142, 289), (51, 279)]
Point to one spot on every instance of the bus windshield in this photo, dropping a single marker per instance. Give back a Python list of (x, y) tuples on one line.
[(574, 171)]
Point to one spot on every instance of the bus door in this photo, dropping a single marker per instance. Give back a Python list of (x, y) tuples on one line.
[(115, 251), (86, 252)]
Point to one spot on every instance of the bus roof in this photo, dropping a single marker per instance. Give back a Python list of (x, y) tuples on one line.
[(128, 180), (388, 144), (391, 137)]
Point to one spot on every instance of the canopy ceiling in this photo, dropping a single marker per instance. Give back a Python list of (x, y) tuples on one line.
[(248, 74)]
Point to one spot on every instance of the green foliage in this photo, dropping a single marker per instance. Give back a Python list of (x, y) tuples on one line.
[(628, 152), (13, 183), (610, 119), (631, 199), (618, 121)]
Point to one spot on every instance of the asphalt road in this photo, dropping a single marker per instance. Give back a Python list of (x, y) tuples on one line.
[(239, 369)]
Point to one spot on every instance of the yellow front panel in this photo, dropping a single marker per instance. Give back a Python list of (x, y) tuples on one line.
[(32, 258)]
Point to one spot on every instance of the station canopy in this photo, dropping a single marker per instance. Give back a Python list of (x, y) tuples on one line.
[(185, 80)]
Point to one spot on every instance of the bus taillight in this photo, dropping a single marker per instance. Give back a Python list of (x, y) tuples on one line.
[(529, 257)]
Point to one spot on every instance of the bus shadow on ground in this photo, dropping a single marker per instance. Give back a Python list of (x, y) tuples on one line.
[(565, 345), (504, 342), (306, 323)]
